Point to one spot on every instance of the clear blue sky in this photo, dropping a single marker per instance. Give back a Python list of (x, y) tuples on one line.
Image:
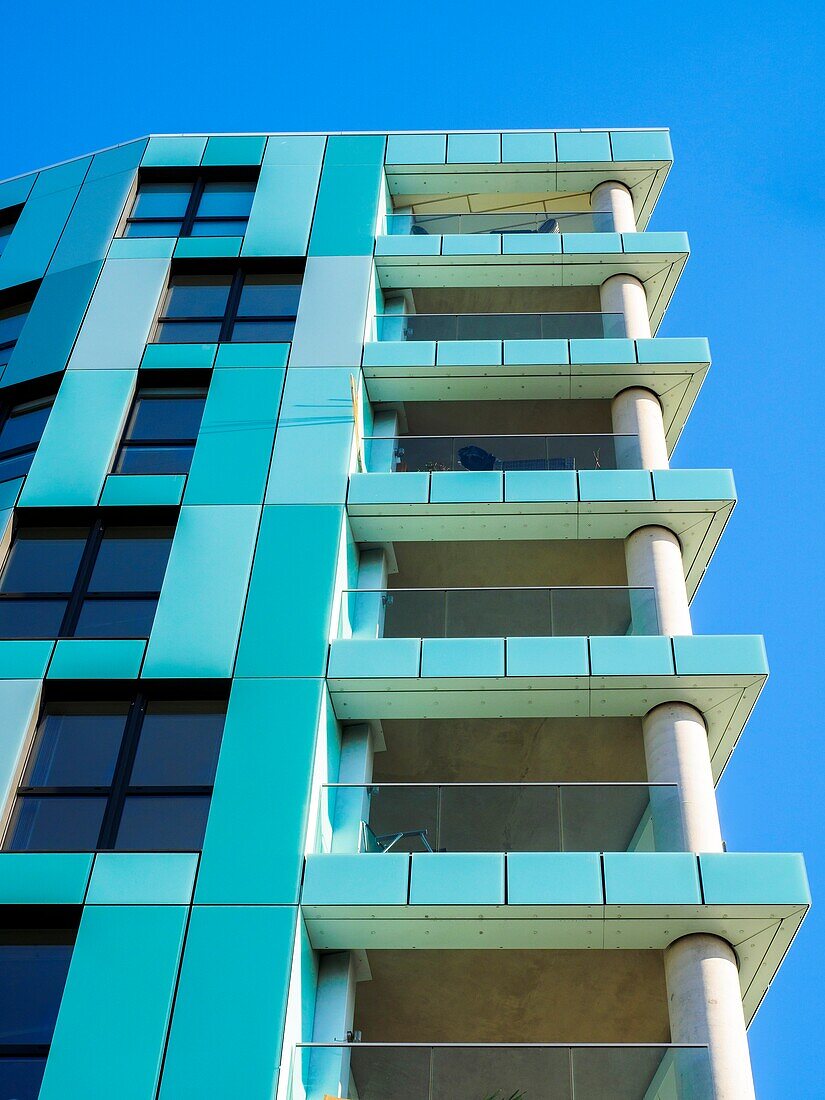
[(740, 86)]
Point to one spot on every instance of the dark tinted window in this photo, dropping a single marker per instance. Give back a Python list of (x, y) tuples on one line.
[(242, 309), (199, 208), (12, 319), (162, 430)]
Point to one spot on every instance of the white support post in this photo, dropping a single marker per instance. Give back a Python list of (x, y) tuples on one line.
[(624, 294), (637, 412), (705, 1006), (654, 560), (612, 197), (367, 610), (329, 1069), (351, 805)]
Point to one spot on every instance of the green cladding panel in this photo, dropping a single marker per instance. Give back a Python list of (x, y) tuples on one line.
[(284, 203), (347, 210), (114, 1014), (225, 1038)]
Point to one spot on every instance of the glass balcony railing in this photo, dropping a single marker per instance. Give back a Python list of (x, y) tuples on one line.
[(500, 817), (485, 1071), (503, 221), (503, 452), (497, 612), (499, 326)]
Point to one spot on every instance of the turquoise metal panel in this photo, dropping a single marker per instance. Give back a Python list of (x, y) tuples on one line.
[(473, 148), (51, 328), (547, 657), (226, 1034), (234, 150), (112, 1022), (200, 247), (369, 658), (364, 879), (536, 353), (651, 878), (615, 485), (255, 858), (142, 878), (578, 147), (44, 878), (400, 353), (9, 492), (479, 486), (554, 878), (634, 145), (416, 149), (469, 353), (118, 158), (602, 351), (196, 627), (234, 446), (528, 148), (754, 878), (111, 337), (531, 244), (347, 208), (93, 659), (329, 330), (178, 151), (462, 657), (409, 488), (631, 656), (467, 244), (286, 625), (285, 197), (85, 422), (142, 248), (669, 349), (694, 485), (24, 659), (131, 490), (178, 356), (655, 242), (16, 191), (540, 485), (42, 220), (408, 246), (575, 244), (252, 355), (721, 655), (457, 878), (19, 700)]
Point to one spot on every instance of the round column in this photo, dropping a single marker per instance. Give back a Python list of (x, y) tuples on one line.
[(625, 294), (637, 412), (705, 1006), (612, 197), (654, 560), (676, 751)]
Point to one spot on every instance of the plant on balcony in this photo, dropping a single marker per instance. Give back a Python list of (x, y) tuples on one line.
[(517, 1095)]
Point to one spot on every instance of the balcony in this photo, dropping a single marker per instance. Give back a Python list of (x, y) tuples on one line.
[(499, 326), (478, 452), (500, 817), (497, 1071), (499, 221), (498, 612)]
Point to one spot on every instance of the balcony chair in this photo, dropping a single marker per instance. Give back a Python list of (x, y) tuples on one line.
[(476, 458), (369, 842)]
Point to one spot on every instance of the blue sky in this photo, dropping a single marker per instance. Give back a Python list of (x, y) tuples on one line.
[(740, 86)]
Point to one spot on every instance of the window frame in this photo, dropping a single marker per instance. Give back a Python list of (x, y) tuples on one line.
[(19, 298), (160, 380), (120, 788), (197, 182), (9, 216), (12, 399)]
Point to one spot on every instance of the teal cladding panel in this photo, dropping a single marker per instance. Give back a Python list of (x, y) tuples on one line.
[(674, 349), (416, 149), (400, 353), (619, 485), (694, 485), (332, 312), (97, 659), (578, 147), (534, 486), (113, 1017), (474, 148), (720, 655), (141, 248), (374, 658), (52, 326), (142, 878), (457, 878), (629, 656), (538, 353), (364, 879), (347, 209), (199, 248), (81, 434), (554, 878), (19, 700), (404, 488), (236, 1004), (255, 858), (528, 148), (131, 490), (42, 220), (111, 337), (635, 145), (16, 191), (547, 657), (754, 878), (651, 878), (234, 149), (286, 625), (465, 487), (234, 446), (44, 878), (284, 202), (251, 355), (176, 151), (23, 659), (195, 632), (469, 353), (462, 657), (313, 445), (179, 356)]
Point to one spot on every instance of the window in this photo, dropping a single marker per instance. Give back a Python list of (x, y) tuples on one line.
[(12, 319), (8, 220), (34, 963), (233, 308), (161, 431), (135, 775), (21, 426), (101, 581), (199, 208)]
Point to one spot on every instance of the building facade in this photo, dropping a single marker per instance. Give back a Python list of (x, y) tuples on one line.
[(354, 738)]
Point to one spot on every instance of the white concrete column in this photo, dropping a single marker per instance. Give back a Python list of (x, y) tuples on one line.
[(612, 197), (382, 445), (654, 560), (328, 1070), (625, 294), (637, 412), (676, 750), (366, 612), (705, 1006), (351, 804)]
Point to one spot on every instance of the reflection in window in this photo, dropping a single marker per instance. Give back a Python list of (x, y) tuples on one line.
[(134, 775), (21, 426), (162, 430), (237, 308), (199, 208)]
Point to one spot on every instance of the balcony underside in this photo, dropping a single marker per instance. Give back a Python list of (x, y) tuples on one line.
[(540, 369)]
